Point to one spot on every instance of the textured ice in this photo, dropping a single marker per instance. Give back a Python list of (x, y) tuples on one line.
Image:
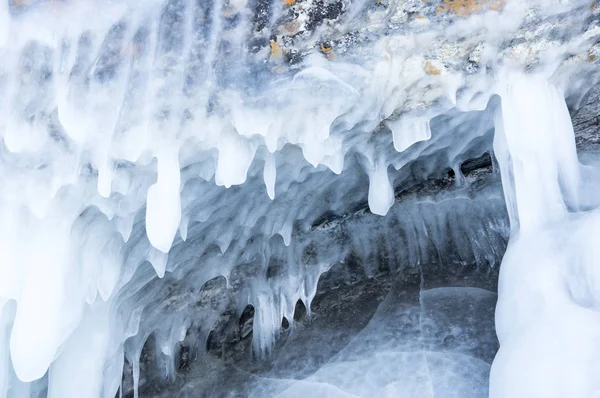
[(413, 346), (148, 149), (409, 132), (547, 320)]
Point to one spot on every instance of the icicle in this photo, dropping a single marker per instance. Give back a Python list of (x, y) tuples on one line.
[(105, 176), (133, 325), (224, 240), (235, 156), (158, 259), (269, 175), (266, 323), (125, 225), (90, 108), (536, 153), (459, 178), (183, 226), (286, 231), (136, 376), (163, 209), (407, 131), (381, 192)]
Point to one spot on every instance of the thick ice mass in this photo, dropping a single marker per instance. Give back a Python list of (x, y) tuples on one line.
[(154, 150), (547, 320)]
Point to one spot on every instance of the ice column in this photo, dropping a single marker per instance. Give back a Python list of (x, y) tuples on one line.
[(547, 317), (535, 145)]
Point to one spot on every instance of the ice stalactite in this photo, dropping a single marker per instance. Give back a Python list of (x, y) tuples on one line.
[(408, 131), (381, 192), (163, 207), (151, 148), (547, 317)]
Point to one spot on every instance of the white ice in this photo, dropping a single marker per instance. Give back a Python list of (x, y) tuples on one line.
[(547, 317), (128, 127)]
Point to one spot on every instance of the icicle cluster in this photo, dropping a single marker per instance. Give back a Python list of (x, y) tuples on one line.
[(157, 139)]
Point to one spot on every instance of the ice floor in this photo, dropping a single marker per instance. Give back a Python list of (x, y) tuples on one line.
[(391, 337)]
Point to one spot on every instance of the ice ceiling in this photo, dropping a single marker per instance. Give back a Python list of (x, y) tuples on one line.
[(151, 146)]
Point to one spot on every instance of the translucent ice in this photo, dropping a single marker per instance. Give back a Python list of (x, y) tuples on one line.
[(418, 344), (269, 176), (137, 139), (381, 193)]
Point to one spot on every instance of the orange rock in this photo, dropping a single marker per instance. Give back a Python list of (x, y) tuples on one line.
[(328, 51), (276, 51), (468, 7), (431, 69)]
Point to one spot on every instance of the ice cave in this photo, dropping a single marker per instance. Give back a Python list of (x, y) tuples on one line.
[(299, 198)]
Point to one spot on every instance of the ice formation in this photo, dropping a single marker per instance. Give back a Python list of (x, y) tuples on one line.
[(547, 319), (150, 147)]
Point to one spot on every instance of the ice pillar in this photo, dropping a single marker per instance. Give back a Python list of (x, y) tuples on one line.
[(547, 318)]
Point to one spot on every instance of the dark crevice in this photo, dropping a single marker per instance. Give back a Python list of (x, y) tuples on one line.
[(246, 321), (299, 311)]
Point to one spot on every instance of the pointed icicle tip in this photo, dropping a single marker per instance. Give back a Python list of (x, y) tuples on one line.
[(163, 207), (269, 174)]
